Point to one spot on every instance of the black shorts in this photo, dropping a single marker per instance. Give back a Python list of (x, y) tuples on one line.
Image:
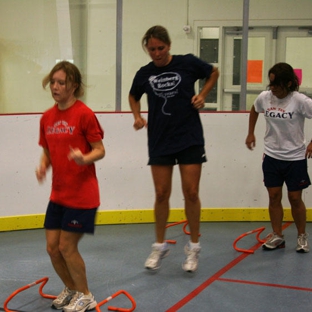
[(293, 173), (192, 155), (69, 219)]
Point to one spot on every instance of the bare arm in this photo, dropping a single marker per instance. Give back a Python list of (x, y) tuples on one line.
[(308, 153), (97, 152), (251, 139), (44, 164), (139, 121), (199, 100)]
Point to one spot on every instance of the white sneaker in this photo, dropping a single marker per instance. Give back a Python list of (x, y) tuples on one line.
[(273, 241), (80, 303), (153, 261), (191, 262), (63, 299), (303, 245)]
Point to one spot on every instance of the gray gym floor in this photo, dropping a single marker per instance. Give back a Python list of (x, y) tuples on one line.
[(227, 280)]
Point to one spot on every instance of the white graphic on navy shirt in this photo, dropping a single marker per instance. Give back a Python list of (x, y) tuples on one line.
[(164, 86)]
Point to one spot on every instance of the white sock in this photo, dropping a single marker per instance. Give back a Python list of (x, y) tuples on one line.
[(194, 245), (160, 246)]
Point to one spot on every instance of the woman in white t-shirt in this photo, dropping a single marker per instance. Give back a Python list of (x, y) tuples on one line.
[(285, 151)]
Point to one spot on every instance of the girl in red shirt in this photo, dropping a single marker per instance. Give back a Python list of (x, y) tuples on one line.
[(71, 138)]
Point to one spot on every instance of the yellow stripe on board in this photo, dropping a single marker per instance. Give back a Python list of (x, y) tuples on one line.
[(26, 222)]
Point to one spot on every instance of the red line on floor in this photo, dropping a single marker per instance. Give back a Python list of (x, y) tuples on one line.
[(215, 277), (209, 281), (264, 284)]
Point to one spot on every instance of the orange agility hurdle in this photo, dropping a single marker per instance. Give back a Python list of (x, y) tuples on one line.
[(43, 280), (97, 308), (171, 241), (259, 230)]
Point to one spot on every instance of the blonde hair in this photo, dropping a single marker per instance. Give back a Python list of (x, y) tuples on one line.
[(73, 76)]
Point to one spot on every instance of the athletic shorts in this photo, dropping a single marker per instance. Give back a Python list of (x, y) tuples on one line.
[(69, 219), (192, 155), (293, 173)]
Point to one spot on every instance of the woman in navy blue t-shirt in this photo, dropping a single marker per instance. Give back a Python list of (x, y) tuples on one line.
[(175, 133)]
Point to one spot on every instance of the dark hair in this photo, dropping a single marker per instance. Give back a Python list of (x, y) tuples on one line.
[(284, 74), (158, 32), (73, 76)]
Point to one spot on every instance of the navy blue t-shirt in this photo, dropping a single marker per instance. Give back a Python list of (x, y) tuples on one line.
[(173, 123)]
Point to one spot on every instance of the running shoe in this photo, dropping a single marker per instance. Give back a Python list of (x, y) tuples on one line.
[(191, 261), (274, 241), (303, 245), (63, 299), (80, 303), (153, 261)]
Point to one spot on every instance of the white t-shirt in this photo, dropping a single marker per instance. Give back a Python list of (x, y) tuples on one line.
[(284, 137)]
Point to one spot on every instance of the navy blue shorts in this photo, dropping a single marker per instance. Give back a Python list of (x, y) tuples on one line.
[(192, 155), (69, 219), (293, 173)]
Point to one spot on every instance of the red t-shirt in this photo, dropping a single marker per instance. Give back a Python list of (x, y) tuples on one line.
[(73, 185)]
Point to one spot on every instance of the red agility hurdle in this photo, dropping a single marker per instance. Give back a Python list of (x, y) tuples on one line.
[(43, 280), (259, 230), (115, 308), (172, 241)]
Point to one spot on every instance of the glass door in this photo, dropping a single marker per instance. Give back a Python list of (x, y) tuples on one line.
[(260, 56), (294, 46), (267, 45)]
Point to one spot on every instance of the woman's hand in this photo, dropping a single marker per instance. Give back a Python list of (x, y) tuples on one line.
[(308, 153), (139, 123), (250, 141), (198, 101), (41, 173), (76, 155)]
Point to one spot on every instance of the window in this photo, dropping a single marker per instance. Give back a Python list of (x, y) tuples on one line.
[(35, 34), (209, 52), (267, 45), (38, 33)]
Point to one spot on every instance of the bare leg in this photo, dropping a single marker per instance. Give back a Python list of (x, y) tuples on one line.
[(62, 247), (162, 177), (57, 259), (276, 209), (298, 210), (190, 176)]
